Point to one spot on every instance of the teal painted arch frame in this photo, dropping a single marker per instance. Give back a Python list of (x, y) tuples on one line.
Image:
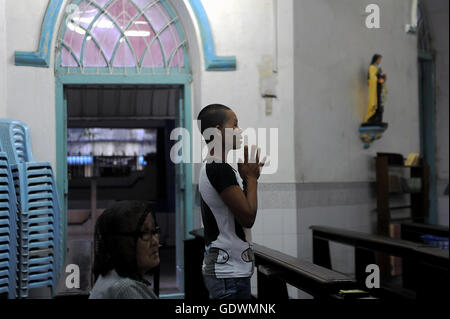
[(212, 61), (186, 218), (41, 58), (121, 75)]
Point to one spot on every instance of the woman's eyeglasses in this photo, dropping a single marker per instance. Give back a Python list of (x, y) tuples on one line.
[(148, 235), (144, 235)]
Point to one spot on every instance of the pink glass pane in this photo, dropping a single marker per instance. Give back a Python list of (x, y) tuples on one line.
[(101, 3), (122, 11), (153, 56), (123, 57), (168, 42), (175, 33), (67, 59), (74, 38), (144, 3), (92, 55), (140, 35), (157, 17), (84, 14), (107, 35), (178, 59)]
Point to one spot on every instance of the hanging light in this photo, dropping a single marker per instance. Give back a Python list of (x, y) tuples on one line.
[(135, 33), (75, 28)]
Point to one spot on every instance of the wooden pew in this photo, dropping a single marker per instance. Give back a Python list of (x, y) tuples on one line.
[(274, 268), (431, 265), (413, 232)]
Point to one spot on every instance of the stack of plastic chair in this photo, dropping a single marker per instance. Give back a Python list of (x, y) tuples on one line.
[(39, 251), (8, 230), (39, 259)]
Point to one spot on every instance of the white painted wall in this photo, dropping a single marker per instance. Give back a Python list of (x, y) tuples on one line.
[(245, 29), (333, 49), (3, 37), (31, 91), (241, 28)]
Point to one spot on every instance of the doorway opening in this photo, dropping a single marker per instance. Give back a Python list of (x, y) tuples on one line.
[(118, 148)]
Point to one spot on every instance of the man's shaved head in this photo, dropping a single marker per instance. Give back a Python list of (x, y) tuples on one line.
[(211, 116)]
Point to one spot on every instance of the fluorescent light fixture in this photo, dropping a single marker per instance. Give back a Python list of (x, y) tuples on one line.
[(104, 23), (135, 33), (78, 20), (75, 28)]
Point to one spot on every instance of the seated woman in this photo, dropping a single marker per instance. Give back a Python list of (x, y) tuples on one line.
[(126, 248)]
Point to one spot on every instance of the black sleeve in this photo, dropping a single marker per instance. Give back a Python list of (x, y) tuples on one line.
[(221, 176)]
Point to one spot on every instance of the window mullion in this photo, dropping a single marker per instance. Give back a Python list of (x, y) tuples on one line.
[(157, 38), (68, 48), (172, 55), (87, 32), (91, 25), (142, 12), (120, 30), (126, 16)]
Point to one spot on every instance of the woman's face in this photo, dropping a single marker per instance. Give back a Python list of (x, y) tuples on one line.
[(147, 246)]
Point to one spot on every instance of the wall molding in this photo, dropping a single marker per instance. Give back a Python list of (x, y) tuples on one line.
[(41, 58), (212, 61)]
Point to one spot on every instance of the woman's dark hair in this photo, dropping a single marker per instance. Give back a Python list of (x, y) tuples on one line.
[(114, 242), (211, 116), (375, 58)]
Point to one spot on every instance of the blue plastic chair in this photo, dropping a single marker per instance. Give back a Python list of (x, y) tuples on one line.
[(15, 139), (40, 226), (39, 249), (8, 230)]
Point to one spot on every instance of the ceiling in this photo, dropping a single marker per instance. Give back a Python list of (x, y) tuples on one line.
[(122, 102)]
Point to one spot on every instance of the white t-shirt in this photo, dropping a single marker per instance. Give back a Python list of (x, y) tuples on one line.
[(229, 253)]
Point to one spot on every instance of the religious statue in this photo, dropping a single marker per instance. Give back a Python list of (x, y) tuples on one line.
[(373, 127), (377, 92)]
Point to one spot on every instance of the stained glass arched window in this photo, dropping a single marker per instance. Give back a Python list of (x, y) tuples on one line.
[(119, 35)]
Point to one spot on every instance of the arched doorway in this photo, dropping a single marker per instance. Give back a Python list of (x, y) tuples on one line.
[(124, 46)]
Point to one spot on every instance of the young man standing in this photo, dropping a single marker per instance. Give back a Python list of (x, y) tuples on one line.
[(228, 205)]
